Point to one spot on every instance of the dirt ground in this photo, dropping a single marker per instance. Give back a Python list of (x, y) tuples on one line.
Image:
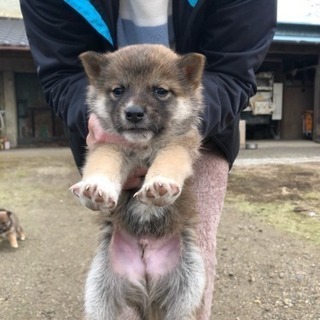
[(268, 241)]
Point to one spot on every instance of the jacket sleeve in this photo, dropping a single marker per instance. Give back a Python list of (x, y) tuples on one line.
[(57, 36), (235, 40)]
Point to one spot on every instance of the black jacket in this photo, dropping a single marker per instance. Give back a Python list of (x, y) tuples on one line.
[(234, 35)]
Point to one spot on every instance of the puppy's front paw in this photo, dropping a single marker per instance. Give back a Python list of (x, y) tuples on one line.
[(159, 191), (97, 193), (14, 243)]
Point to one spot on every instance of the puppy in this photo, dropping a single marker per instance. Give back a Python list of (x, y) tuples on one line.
[(148, 260), (10, 228)]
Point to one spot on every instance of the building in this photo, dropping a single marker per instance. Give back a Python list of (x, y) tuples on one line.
[(287, 105), (288, 100), (25, 118)]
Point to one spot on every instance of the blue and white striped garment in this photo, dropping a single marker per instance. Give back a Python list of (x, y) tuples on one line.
[(145, 21)]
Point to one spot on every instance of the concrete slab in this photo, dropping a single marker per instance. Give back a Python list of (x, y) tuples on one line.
[(279, 151)]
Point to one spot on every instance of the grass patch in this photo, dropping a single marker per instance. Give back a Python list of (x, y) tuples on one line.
[(279, 196), (281, 215)]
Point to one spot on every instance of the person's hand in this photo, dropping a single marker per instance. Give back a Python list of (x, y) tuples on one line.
[(134, 180), (97, 135)]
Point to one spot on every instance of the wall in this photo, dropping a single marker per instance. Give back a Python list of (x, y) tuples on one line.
[(316, 119), (10, 108), (10, 63), (297, 99)]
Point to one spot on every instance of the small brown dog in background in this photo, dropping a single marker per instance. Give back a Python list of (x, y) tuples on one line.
[(10, 228)]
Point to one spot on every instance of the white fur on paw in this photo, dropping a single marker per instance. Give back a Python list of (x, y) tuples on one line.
[(159, 191), (97, 193)]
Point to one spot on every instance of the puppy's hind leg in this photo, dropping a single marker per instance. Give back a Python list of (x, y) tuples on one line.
[(102, 289), (20, 233), (186, 285), (108, 295), (105, 294)]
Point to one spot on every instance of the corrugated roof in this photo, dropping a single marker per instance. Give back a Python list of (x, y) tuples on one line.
[(13, 33)]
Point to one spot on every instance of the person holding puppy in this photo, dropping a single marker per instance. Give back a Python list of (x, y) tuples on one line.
[(233, 35)]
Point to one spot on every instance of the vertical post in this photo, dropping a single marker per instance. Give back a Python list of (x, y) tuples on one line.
[(10, 107), (316, 107)]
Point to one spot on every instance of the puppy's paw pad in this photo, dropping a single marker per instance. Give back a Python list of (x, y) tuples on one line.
[(160, 192), (100, 198), (159, 189), (96, 195)]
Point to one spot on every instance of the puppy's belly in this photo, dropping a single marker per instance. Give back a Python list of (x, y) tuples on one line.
[(136, 258)]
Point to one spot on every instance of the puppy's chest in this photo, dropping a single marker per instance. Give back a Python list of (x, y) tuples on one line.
[(4, 234), (141, 156), (5, 229)]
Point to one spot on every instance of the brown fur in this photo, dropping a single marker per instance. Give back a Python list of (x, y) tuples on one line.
[(10, 227), (151, 97)]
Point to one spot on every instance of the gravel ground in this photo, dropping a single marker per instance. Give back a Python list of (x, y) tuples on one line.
[(268, 268)]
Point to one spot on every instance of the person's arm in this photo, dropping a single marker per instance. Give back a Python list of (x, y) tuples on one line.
[(57, 35), (235, 40)]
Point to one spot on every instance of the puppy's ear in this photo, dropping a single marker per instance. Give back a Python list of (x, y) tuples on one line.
[(5, 212), (92, 63), (192, 67)]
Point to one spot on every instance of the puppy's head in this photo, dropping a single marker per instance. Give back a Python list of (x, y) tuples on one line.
[(144, 90), (5, 220)]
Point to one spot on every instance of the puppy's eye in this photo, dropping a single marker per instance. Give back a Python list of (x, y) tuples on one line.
[(161, 92), (118, 91)]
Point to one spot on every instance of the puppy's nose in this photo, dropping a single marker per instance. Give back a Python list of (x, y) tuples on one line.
[(134, 114)]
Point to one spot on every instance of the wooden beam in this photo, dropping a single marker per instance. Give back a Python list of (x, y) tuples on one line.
[(294, 48)]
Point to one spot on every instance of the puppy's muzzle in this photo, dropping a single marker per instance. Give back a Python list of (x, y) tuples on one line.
[(134, 114)]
